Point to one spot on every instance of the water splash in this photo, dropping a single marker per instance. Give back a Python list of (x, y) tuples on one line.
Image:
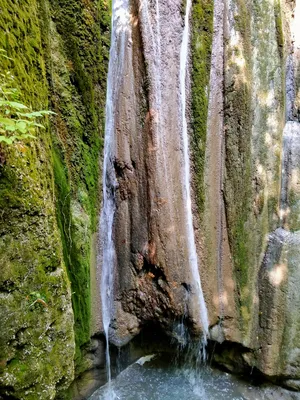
[(120, 31), (193, 260), (160, 379)]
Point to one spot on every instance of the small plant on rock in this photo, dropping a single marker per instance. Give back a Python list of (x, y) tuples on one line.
[(17, 121), (37, 298)]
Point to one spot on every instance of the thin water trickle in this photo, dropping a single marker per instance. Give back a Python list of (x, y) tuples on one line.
[(193, 259), (151, 24), (119, 36)]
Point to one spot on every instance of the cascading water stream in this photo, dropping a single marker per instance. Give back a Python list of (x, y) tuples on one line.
[(193, 260), (157, 43), (119, 36), (155, 74)]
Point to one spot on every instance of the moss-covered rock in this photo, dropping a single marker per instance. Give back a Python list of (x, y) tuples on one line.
[(202, 32), (79, 55), (238, 121), (254, 116), (37, 337), (49, 191)]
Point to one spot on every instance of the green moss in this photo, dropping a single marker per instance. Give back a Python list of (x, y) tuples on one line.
[(20, 37), (238, 175), (33, 251), (279, 29), (251, 193), (78, 96), (201, 57)]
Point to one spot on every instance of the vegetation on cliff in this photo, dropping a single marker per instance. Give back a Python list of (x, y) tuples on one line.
[(49, 190), (202, 33)]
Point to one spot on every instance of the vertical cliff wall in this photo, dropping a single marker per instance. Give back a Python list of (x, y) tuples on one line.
[(259, 186), (153, 278), (49, 192), (242, 110), (243, 79)]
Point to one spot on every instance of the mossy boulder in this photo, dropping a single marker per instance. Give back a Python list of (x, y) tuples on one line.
[(49, 191), (279, 352), (254, 120)]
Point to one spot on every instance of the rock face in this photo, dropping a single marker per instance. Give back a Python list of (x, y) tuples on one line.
[(242, 108), (279, 300), (245, 208), (49, 193), (261, 184), (153, 279)]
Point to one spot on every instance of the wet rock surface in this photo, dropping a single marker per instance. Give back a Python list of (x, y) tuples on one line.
[(153, 280), (247, 196), (247, 224)]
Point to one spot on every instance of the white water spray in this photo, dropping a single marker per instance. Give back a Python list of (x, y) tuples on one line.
[(193, 260), (119, 38)]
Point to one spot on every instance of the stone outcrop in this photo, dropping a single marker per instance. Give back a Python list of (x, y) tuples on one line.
[(153, 280), (237, 153), (261, 183), (242, 90), (49, 193)]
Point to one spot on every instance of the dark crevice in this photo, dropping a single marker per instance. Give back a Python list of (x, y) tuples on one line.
[(7, 286), (187, 287), (120, 168), (155, 271), (50, 268), (5, 396)]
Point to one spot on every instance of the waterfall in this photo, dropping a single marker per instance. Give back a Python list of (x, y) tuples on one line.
[(119, 38), (162, 186), (193, 260), (151, 24)]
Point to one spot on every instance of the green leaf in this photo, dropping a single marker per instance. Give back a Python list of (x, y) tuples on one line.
[(8, 140), (7, 121), (39, 126), (48, 112), (26, 136), (21, 126), (11, 128), (31, 115), (13, 104), (36, 114)]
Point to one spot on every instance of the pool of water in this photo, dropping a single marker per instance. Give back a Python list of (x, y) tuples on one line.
[(158, 380)]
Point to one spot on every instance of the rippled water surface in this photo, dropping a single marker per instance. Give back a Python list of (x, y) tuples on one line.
[(156, 380)]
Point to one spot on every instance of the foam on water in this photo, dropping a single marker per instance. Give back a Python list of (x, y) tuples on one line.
[(159, 380)]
